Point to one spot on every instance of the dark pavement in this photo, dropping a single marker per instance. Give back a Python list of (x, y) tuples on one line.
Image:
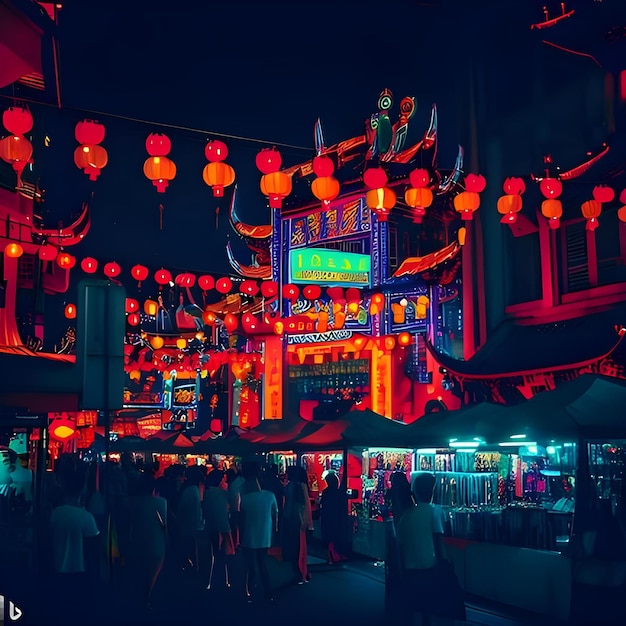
[(344, 594)]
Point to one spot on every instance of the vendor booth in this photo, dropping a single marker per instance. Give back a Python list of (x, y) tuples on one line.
[(535, 488)]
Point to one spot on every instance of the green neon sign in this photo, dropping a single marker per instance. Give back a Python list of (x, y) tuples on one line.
[(322, 266)]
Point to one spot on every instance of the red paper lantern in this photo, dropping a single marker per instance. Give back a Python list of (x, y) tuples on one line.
[(291, 292), (353, 295), (269, 288), (48, 253), (185, 279), (208, 317), (217, 176), (312, 292), (133, 319), (216, 151), (326, 188), (89, 132), (206, 282), (112, 270), (158, 144), (268, 161), (551, 188), (336, 294), (16, 150), (381, 201), (475, 183), (514, 186), (603, 194), (17, 120), (162, 277), (231, 322), (13, 250), (89, 265), (224, 285), (66, 261), (276, 186), (466, 203), (375, 177), (215, 425), (323, 166), (160, 170), (131, 305), (139, 273), (70, 311), (552, 210), (249, 287), (419, 178), (92, 159)]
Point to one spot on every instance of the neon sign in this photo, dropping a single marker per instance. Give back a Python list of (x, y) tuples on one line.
[(319, 265)]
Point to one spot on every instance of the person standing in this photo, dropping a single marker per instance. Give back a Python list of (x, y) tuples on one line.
[(297, 519), (235, 481), (216, 524), (147, 537), (259, 516), (189, 518), (333, 511)]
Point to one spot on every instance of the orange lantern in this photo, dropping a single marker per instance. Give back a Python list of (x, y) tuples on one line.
[(150, 307), (217, 176), (419, 199), (66, 261), (157, 342), (91, 159), (390, 343), (377, 302), (181, 343), (381, 201), (13, 250), (552, 209), (89, 265), (325, 188), (591, 211), (231, 322), (276, 186), (160, 170), (17, 151), (404, 339), (466, 203), (70, 311), (509, 206), (208, 317)]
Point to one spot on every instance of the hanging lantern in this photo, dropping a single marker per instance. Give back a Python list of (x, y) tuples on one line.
[(603, 194), (381, 201), (269, 288), (276, 186), (112, 270), (475, 183), (70, 311), (404, 339), (89, 132), (323, 166), (89, 265), (13, 250), (231, 322), (312, 292), (249, 287), (139, 273), (151, 307), (66, 260), (375, 178), (419, 199), (160, 170), (336, 294), (591, 210), (181, 343), (62, 428), (325, 188), (268, 160), (621, 212), (467, 202), (208, 317), (216, 151), (206, 282), (186, 279), (48, 253), (17, 151), (514, 186), (510, 204), (419, 178), (162, 277), (17, 120), (390, 343), (217, 176), (551, 208), (215, 425), (133, 319), (158, 144), (291, 292), (131, 305), (157, 342), (224, 285), (550, 188), (377, 302)]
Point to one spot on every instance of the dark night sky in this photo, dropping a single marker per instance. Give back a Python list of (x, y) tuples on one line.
[(263, 70)]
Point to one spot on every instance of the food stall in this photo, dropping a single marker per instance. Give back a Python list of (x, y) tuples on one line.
[(524, 488)]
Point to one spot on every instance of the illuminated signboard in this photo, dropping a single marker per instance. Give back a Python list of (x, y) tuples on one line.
[(319, 265)]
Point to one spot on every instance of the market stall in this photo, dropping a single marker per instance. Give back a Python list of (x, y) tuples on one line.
[(531, 486)]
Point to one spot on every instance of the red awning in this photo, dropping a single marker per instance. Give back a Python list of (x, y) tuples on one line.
[(418, 264)]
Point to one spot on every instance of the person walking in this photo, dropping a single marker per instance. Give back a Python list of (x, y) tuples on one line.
[(147, 537), (297, 519), (235, 481), (219, 541), (259, 516)]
